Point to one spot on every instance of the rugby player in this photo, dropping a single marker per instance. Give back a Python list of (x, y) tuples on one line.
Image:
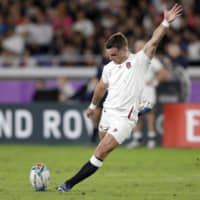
[(154, 76), (123, 78)]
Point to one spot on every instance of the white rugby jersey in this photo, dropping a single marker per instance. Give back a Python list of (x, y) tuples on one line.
[(125, 83), (154, 67), (148, 98)]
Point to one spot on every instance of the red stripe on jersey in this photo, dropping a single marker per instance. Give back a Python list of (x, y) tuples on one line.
[(129, 114)]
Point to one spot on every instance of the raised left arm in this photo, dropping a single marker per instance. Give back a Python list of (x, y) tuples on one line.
[(169, 16)]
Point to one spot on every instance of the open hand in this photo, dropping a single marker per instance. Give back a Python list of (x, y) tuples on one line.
[(171, 15)]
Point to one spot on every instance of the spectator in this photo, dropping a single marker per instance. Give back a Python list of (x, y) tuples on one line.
[(47, 27), (177, 66), (13, 43), (43, 94), (62, 21), (3, 25), (194, 47), (175, 53), (66, 91), (40, 35), (154, 76), (83, 25), (178, 76)]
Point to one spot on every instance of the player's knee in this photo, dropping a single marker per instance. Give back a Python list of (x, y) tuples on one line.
[(101, 135)]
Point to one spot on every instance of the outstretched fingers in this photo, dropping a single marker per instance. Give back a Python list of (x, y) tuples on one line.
[(179, 10), (174, 7)]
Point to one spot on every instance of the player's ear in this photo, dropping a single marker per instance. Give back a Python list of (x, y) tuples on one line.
[(125, 50)]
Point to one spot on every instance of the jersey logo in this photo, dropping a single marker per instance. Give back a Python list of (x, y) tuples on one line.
[(128, 65)]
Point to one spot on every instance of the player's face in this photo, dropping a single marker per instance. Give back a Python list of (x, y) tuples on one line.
[(117, 55)]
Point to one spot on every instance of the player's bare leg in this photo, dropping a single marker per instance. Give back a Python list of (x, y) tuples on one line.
[(101, 135), (107, 144), (151, 129), (150, 120), (136, 136)]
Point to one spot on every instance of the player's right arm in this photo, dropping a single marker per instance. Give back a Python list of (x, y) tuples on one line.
[(169, 16), (99, 92)]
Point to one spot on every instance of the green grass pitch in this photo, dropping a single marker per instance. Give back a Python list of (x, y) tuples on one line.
[(139, 174)]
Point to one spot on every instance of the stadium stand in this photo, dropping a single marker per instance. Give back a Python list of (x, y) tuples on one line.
[(68, 35)]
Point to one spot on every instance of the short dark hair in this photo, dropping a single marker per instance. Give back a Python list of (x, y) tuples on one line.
[(117, 40)]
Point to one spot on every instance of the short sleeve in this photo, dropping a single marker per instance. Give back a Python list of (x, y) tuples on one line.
[(143, 57), (157, 65), (105, 75), (143, 61)]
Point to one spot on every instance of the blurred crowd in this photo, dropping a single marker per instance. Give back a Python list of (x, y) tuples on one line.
[(73, 32)]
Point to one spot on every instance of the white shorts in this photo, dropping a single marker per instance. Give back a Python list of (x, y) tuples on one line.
[(149, 95), (118, 126)]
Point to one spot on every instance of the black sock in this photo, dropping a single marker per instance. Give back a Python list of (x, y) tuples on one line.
[(87, 170)]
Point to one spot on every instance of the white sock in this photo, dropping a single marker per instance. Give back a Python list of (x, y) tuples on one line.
[(96, 162), (137, 135), (151, 134)]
